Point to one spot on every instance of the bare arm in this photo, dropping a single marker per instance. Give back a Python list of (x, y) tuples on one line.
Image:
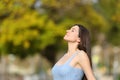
[(85, 65)]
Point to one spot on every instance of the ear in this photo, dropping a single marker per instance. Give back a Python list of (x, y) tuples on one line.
[(78, 40)]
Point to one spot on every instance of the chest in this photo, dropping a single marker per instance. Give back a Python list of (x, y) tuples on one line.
[(70, 60), (64, 69)]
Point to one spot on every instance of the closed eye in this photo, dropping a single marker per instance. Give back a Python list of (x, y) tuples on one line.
[(73, 29)]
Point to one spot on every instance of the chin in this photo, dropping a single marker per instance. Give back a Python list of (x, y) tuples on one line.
[(69, 39), (65, 38)]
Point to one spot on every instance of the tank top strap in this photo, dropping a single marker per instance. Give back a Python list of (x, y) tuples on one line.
[(70, 59)]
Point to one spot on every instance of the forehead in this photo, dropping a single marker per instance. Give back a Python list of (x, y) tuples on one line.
[(75, 27)]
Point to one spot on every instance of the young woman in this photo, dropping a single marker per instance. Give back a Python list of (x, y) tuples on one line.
[(76, 63)]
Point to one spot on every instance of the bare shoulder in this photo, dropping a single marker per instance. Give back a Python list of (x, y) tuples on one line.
[(82, 55), (83, 59)]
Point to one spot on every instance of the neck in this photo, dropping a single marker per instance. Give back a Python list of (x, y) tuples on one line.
[(72, 48)]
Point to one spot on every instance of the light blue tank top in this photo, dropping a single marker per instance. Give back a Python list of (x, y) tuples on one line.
[(66, 71)]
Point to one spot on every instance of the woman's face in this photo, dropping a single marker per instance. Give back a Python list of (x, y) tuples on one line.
[(72, 34)]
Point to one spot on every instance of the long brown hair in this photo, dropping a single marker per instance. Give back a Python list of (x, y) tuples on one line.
[(84, 43)]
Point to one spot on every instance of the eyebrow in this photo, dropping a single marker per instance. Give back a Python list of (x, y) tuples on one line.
[(74, 29)]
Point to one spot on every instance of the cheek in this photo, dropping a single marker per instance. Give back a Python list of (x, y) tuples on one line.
[(74, 36)]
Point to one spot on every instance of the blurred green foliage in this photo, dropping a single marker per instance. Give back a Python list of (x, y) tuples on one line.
[(23, 29), (27, 27), (110, 9)]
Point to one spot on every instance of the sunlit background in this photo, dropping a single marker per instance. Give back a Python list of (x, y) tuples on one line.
[(31, 36)]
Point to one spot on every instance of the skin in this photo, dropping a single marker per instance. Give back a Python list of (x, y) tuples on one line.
[(81, 61)]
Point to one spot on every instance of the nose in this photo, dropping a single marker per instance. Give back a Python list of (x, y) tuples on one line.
[(67, 31)]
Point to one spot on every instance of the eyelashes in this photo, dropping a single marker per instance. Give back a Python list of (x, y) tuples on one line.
[(72, 30)]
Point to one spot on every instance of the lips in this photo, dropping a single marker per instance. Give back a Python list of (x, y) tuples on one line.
[(67, 34)]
